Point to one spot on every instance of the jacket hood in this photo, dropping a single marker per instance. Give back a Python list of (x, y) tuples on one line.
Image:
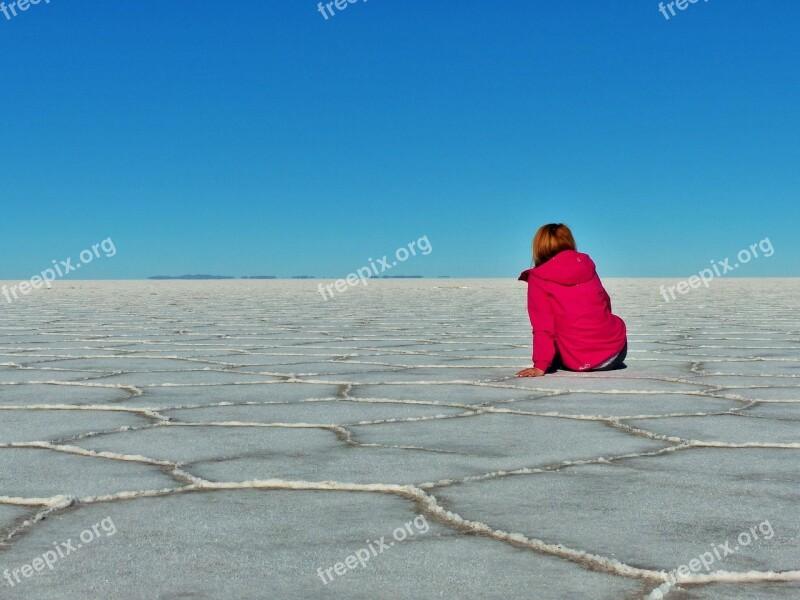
[(568, 267)]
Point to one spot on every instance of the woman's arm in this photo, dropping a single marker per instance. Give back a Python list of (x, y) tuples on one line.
[(543, 326), (607, 298), (534, 372)]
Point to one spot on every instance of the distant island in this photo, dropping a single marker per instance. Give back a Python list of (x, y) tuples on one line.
[(191, 277)]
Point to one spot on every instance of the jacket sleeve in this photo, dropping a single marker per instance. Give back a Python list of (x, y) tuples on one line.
[(607, 298), (543, 325)]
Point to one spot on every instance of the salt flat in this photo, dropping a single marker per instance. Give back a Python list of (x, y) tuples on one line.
[(245, 437)]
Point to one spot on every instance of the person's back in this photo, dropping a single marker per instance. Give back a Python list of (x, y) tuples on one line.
[(569, 309)]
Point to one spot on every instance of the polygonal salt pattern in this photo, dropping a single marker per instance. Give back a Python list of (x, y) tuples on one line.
[(251, 428)]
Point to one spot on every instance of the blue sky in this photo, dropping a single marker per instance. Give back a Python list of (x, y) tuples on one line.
[(256, 137)]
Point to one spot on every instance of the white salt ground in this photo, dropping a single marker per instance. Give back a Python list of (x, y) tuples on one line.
[(244, 434)]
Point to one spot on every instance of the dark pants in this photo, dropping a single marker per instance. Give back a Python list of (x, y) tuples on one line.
[(616, 362)]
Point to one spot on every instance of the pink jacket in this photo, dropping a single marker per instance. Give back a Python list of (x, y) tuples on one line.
[(570, 312)]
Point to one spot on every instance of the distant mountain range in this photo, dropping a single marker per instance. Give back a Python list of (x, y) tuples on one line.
[(161, 277), (167, 277)]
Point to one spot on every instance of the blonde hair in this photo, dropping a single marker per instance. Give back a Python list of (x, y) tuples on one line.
[(549, 240)]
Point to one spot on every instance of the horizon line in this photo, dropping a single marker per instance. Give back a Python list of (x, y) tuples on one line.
[(415, 277)]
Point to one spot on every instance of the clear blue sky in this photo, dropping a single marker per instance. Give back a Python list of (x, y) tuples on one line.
[(256, 137)]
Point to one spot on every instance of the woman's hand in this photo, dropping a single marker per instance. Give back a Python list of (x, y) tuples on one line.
[(534, 372)]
